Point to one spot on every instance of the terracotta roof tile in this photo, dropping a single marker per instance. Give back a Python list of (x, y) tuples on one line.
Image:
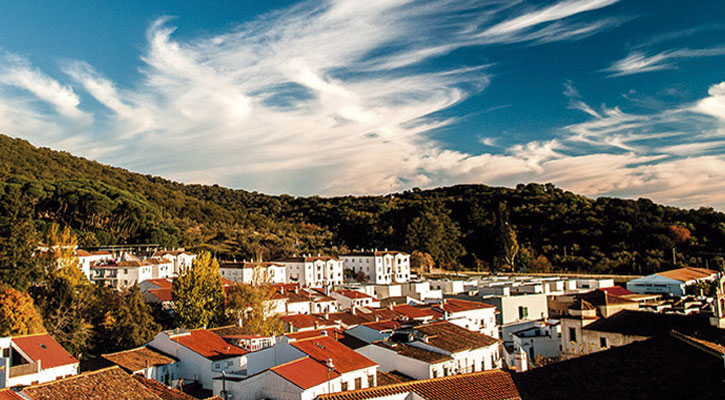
[(161, 390), (383, 325), (163, 294), (486, 385), (42, 347), (303, 321), (208, 344), (324, 348), (457, 305), (452, 338), (135, 360), (161, 282), (305, 372), (417, 312), (330, 332), (103, 384), (353, 294), (7, 394), (415, 353)]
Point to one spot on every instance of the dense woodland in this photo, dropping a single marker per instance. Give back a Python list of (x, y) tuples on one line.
[(531, 227)]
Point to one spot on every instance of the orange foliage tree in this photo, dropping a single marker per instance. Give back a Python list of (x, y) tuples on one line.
[(18, 315)]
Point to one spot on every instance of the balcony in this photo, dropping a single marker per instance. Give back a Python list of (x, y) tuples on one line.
[(24, 369)]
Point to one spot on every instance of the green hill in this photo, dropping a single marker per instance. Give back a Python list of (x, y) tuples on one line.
[(468, 226)]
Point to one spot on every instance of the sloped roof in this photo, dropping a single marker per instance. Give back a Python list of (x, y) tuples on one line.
[(165, 283), (42, 347), (353, 294), (305, 372), (660, 368), (303, 321), (687, 273), (208, 344), (599, 297), (617, 291), (647, 324), (324, 348), (413, 352), (162, 390), (138, 359), (7, 394), (330, 332), (163, 294), (452, 338), (417, 312), (457, 305), (581, 304), (485, 385), (385, 325), (103, 384)]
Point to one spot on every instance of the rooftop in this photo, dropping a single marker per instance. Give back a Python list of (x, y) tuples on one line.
[(647, 324), (324, 348), (485, 385), (415, 353), (208, 344), (163, 294), (417, 312), (452, 338), (162, 390), (687, 274), (305, 372), (103, 384), (353, 294), (135, 360), (457, 305), (8, 394), (42, 347)]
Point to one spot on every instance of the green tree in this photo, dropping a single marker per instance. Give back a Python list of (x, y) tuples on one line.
[(18, 315), (123, 320), (506, 243), (434, 232), (254, 306), (18, 266), (198, 294)]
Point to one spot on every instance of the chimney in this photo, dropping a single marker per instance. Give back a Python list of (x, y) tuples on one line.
[(390, 306), (353, 309), (520, 362)]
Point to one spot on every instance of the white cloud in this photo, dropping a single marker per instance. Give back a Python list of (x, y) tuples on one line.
[(639, 62), (303, 100)]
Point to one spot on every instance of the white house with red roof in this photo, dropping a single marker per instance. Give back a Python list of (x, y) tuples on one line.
[(353, 298), (202, 354), (180, 259), (472, 315), (304, 369), (88, 258), (32, 359)]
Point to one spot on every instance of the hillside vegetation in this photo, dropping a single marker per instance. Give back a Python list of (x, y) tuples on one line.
[(531, 227)]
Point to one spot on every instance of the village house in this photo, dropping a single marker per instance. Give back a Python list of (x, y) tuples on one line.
[(88, 258), (121, 274), (472, 315), (352, 298), (254, 273), (180, 259), (202, 354), (380, 267), (147, 362), (32, 359), (310, 271)]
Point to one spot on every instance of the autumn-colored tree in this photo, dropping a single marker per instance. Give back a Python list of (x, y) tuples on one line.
[(421, 262), (18, 315), (198, 294), (679, 234), (253, 305), (61, 255)]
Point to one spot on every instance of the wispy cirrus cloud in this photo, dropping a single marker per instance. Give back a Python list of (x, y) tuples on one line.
[(322, 98), (639, 62)]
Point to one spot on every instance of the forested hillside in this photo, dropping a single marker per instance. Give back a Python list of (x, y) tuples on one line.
[(532, 227)]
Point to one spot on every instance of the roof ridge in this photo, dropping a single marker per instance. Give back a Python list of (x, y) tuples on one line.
[(290, 362)]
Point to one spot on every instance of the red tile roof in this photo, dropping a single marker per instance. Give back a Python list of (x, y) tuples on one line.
[(305, 372), (329, 332), (42, 347), (163, 294), (135, 360), (208, 344), (324, 348), (456, 305), (616, 290), (161, 282), (353, 294), (7, 394), (303, 321), (161, 390), (417, 312), (485, 385), (383, 325), (103, 384), (452, 338)]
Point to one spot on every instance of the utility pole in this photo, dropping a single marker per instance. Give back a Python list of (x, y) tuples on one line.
[(674, 257)]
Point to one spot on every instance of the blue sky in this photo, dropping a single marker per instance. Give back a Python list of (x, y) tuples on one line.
[(602, 97)]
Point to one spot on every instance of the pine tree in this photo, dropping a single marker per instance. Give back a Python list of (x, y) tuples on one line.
[(123, 320), (18, 266), (198, 294)]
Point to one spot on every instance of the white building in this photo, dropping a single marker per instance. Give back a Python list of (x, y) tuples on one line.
[(540, 340), (161, 268), (34, 359), (320, 271), (122, 274), (381, 267), (673, 282), (352, 298), (252, 273), (180, 259), (202, 354), (88, 258), (472, 315)]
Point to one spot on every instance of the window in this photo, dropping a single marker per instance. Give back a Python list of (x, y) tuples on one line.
[(603, 342), (344, 386), (435, 373), (572, 334), (371, 380), (523, 312)]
